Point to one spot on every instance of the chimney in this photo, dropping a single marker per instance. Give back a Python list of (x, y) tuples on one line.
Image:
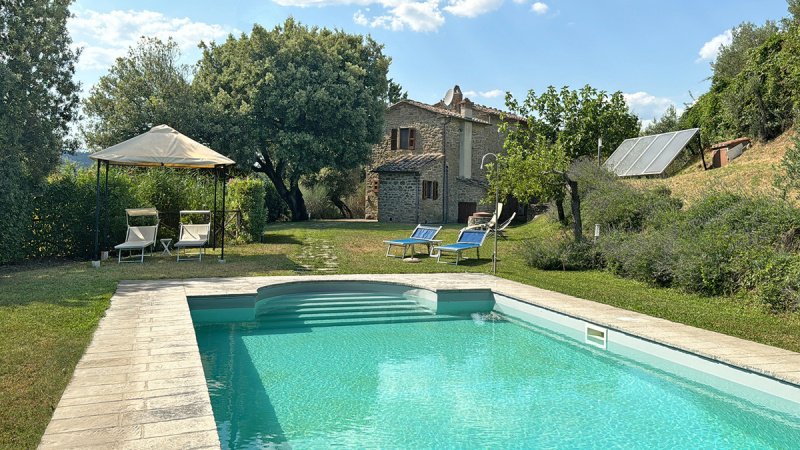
[(457, 98), (466, 108)]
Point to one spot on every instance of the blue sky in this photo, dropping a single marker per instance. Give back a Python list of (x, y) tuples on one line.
[(655, 52)]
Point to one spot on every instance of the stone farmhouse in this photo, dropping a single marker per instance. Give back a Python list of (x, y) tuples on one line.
[(427, 168)]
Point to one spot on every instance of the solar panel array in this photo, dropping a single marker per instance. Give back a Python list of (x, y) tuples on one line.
[(648, 155)]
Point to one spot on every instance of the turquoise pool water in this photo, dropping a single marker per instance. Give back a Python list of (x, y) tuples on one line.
[(315, 376)]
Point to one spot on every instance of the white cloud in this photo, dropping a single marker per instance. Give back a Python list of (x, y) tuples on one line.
[(647, 106), (540, 8), (494, 93), (520, 2), (320, 3), (709, 50), (472, 8), (416, 16), (106, 36)]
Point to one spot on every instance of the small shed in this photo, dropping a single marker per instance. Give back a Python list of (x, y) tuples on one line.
[(725, 152)]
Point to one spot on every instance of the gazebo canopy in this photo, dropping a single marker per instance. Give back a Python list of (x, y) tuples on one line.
[(162, 146)]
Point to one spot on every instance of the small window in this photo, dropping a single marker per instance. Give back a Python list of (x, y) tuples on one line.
[(403, 138), (430, 190)]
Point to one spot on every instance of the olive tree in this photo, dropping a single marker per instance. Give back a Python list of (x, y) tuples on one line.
[(561, 126)]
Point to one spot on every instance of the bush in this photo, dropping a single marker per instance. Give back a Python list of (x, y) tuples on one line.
[(647, 257), (248, 196), (778, 283), (615, 205), (318, 203), (64, 213), (547, 253), (542, 252), (276, 207), (15, 212)]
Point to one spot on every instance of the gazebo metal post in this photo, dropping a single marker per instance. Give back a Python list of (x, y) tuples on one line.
[(224, 189), (106, 224), (214, 210), (96, 254)]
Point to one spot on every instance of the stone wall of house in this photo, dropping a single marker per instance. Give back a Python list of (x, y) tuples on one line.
[(428, 136), (434, 134), (398, 197), (485, 138), (430, 211)]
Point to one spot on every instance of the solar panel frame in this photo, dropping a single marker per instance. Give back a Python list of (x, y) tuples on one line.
[(649, 155)]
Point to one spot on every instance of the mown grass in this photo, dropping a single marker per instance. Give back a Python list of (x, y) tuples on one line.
[(48, 311)]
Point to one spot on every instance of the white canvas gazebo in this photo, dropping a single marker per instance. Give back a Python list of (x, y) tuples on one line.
[(162, 146)]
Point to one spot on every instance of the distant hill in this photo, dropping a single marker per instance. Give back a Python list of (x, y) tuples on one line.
[(752, 173), (79, 158)]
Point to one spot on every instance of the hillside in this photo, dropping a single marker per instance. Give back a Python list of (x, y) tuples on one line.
[(752, 173)]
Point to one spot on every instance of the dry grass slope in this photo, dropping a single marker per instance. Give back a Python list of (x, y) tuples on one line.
[(752, 173)]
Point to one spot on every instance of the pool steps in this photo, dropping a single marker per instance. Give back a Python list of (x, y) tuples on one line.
[(342, 308)]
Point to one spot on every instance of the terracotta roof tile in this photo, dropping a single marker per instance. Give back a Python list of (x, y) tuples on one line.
[(730, 143), (441, 111), (497, 112), (408, 163)]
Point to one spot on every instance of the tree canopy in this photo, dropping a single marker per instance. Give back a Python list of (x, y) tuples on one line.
[(293, 100), (561, 126), (145, 88), (576, 118), (664, 124), (755, 86), (38, 100)]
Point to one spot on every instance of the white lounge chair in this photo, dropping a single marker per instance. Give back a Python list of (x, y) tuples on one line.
[(501, 229), (193, 236), (138, 237)]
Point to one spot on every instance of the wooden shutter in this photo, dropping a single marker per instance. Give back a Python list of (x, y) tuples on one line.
[(394, 139), (435, 190), (411, 138)]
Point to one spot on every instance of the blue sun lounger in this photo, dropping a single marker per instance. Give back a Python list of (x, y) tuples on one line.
[(421, 235), (467, 239)]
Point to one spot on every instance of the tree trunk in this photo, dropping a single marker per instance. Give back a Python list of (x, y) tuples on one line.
[(291, 195), (577, 225), (298, 204), (560, 210), (343, 208)]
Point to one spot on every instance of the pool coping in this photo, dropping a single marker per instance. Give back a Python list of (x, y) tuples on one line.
[(140, 383)]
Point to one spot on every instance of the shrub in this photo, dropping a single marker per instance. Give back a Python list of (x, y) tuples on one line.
[(15, 211), (613, 204), (276, 207), (248, 196), (647, 257), (779, 284), (581, 255), (64, 213), (318, 203), (542, 252)]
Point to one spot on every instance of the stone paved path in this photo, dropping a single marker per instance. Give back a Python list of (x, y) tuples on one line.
[(317, 256)]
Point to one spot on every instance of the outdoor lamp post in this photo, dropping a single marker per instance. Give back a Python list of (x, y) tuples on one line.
[(496, 202)]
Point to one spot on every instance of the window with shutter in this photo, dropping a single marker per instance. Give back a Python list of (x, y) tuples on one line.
[(394, 138), (435, 188)]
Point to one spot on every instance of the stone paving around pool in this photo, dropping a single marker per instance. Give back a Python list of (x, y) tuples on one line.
[(140, 383)]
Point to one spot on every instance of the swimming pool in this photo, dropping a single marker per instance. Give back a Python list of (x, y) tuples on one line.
[(355, 365)]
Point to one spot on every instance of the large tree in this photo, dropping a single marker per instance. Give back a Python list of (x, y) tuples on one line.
[(293, 100), (562, 126), (38, 101), (147, 87)]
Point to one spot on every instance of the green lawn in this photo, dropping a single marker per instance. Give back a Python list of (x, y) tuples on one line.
[(48, 312)]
